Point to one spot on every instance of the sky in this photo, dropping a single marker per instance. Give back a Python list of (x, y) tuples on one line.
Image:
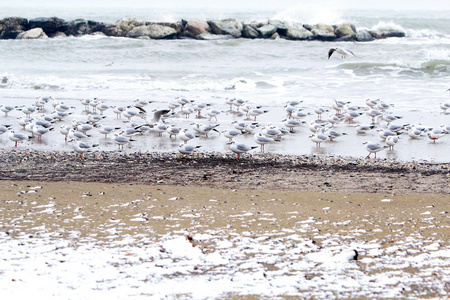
[(240, 4)]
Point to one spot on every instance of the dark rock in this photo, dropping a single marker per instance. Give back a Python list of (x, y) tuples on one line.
[(10, 34), (344, 30), (298, 33), (227, 27), (347, 38), (153, 31), (275, 36), (175, 25), (363, 36), (49, 25), (195, 27), (250, 32), (58, 35), (122, 27), (13, 26), (383, 34), (80, 27), (323, 32), (282, 28), (267, 31)]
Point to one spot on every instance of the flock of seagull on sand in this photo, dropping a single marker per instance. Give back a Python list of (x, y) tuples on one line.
[(47, 114)]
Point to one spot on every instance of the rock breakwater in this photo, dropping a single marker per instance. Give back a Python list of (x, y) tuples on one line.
[(53, 27)]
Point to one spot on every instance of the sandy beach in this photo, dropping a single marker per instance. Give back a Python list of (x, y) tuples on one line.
[(266, 226)]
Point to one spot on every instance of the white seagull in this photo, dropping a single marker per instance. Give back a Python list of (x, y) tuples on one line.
[(185, 135), (391, 141), (374, 148), (187, 150), (343, 52), (319, 137), (240, 148), (82, 147), (262, 140), (17, 137)]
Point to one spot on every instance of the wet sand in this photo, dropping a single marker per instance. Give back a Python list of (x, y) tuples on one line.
[(162, 206), (258, 222)]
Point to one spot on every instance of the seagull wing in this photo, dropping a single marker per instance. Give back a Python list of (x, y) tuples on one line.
[(330, 52)]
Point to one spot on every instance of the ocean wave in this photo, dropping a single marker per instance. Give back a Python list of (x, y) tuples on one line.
[(308, 14), (432, 66), (387, 26)]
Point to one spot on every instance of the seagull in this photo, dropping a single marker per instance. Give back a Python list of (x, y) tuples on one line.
[(334, 119), (173, 131), (82, 147), (391, 141), (186, 111), (231, 133), (262, 140), (291, 124), (86, 103), (240, 148), (384, 133), (107, 129), (102, 107), (374, 113), (256, 112), (416, 132), (212, 113), (230, 102), (351, 115), (198, 107), (343, 52), (319, 137), (185, 135), (204, 129), (388, 118), (17, 137), (73, 134), (6, 109), (372, 103), (4, 128), (363, 128), (299, 115), (238, 103), (121, 140), (319, 111), (436, 134), (290, 110), (445, 105), (332, 134), (160, 128), (374, 148), (39, 131), (338, 106), (272, 132), (187, 150), (141, 103), (159, 114), (64, 130), (118, 110)]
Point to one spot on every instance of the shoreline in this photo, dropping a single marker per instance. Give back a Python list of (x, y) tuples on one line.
[(219, 170)]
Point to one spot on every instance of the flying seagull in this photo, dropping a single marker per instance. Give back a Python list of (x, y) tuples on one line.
[(344, 52)]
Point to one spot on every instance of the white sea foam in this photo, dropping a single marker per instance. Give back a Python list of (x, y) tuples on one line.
[(308, 14)]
